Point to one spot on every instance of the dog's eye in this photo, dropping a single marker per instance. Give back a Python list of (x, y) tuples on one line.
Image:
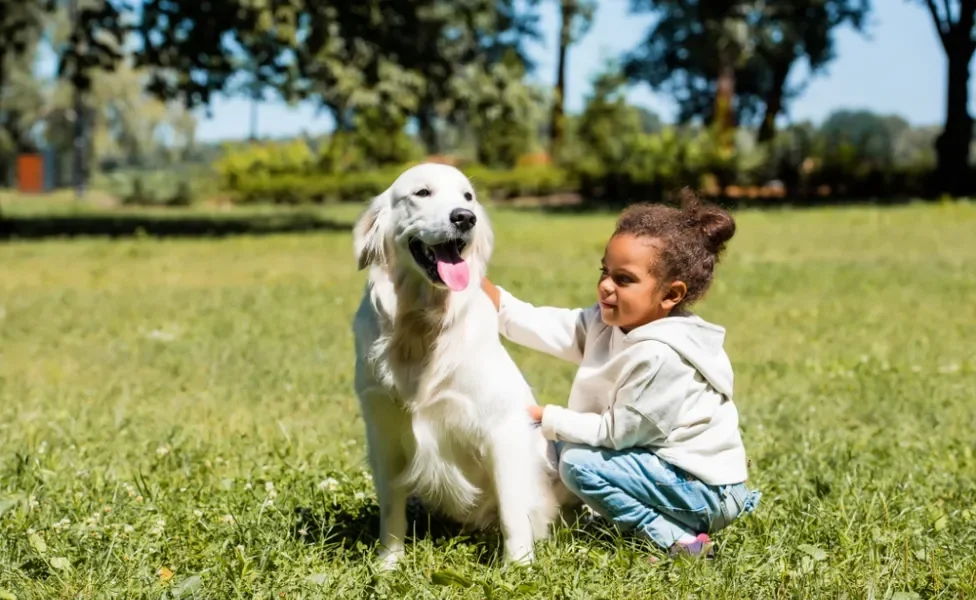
[(423, 193), (468, 196)]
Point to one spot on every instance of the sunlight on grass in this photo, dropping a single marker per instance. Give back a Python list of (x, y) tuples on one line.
[(177, 415)]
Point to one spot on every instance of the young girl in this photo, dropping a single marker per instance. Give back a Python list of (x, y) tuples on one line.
[(650, 439)]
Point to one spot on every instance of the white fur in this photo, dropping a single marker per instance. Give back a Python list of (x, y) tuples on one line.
[(443, 402)]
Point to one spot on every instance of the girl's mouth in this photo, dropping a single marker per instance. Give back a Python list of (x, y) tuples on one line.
[(605, 304)]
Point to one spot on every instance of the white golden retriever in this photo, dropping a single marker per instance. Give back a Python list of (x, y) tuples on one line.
[(443, 402)]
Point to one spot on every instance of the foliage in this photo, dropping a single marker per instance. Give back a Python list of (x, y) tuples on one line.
[(183, 422), (358, 186), (684, 51), (171, 187), (456, 73), (264, 160), (502, 111), (614, 153)]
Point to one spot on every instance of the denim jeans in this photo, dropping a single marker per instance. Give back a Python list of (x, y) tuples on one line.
[(638, 491)]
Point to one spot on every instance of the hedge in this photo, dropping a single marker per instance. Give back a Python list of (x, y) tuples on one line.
[(539, 180)]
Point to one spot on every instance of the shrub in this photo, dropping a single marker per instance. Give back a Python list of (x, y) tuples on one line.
[(264, 159), (318, 188), (359, 186)]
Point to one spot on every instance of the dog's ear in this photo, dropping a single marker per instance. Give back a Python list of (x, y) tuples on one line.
[(369, 233), (483, 243)]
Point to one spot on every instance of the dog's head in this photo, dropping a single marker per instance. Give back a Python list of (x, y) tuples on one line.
[(430, 222)]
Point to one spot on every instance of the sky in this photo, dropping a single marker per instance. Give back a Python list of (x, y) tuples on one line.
[(897, 67)]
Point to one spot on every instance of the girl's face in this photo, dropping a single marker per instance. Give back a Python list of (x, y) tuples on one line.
[(629, 292)]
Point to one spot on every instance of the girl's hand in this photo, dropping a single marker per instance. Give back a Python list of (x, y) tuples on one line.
[(535, 413)]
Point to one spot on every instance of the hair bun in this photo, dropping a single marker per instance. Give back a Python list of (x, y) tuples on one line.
[(716, 224)]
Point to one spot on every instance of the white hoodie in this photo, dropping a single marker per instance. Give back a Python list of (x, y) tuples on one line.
[(665, 386)]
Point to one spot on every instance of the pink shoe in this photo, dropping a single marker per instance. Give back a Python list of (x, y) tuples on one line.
[(702, 546)]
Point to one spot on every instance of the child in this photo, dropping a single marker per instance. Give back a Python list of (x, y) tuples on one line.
[(650, 439)]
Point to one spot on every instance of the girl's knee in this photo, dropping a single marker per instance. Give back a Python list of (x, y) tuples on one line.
[(575, 462)]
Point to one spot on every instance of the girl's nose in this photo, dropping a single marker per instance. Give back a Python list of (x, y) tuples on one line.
[(606, 286)]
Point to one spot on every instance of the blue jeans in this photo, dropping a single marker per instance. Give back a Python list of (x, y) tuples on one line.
[(638, 491)]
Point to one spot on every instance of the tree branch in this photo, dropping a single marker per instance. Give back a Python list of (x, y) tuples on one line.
[(948, 13), (940, 27)]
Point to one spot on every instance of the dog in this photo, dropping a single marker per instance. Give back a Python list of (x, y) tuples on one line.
[(444, 405)]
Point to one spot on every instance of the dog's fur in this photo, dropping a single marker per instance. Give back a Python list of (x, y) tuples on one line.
[(443, 402)]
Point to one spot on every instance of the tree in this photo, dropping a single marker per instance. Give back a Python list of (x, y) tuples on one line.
[(608, 125), (21, 27), (729, 61), (194, 49), (864, 138), (786, 33), (693, 51), (438, 40), (500, 109), (576, 18), (955, 22)]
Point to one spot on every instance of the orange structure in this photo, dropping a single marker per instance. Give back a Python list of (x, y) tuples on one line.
[(30, 174)]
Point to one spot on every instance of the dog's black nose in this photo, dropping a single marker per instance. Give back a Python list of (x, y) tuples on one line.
[(463, 219)]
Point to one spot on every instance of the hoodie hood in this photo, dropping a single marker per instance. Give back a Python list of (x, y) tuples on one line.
[(697, 341)]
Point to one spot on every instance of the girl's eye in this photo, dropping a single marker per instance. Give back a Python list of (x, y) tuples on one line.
[(468, 196), (423, 193), (624, 280)]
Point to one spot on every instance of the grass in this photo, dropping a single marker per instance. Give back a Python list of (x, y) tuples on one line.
[(177, 416)]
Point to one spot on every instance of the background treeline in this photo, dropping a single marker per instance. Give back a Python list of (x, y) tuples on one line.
[(406, 80)]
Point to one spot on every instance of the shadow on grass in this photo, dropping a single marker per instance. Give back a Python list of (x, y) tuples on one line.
[(355, 531), (32, 227), (348, 529)]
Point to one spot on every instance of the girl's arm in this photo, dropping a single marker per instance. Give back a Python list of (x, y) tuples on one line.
[(640, 414), (560, 332)]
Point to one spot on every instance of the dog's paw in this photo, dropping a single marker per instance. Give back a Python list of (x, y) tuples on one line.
[(388, 561), (519, 557)]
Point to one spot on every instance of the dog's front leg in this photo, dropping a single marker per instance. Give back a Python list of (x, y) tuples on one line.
[(387, 461), (393, 524), (515, 475)]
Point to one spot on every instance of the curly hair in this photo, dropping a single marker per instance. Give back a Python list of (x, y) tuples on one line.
[(692, 237)]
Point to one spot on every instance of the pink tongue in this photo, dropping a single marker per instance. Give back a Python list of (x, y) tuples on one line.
[(451, 267), (455, 275)]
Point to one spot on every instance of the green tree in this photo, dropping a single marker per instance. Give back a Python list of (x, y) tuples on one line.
[(693, 52), (736, 54), (21, 25), (785, 34), (21, 28), (440, 39), (860, 138), (500, 109), (607, 126)]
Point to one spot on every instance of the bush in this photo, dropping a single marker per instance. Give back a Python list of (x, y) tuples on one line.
[(541, 180), (156, 189), (358, 187), (305, 189), (264, 159)]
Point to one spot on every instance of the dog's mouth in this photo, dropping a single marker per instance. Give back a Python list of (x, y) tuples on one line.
[(442, 263)]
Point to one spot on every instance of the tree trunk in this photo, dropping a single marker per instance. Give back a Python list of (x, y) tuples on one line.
[(774, 103), (952, 145), (255, 99), (428, 133), (724, 120), (557, 122)]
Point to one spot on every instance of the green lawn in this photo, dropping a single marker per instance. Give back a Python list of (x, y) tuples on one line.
[(167, 404)]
